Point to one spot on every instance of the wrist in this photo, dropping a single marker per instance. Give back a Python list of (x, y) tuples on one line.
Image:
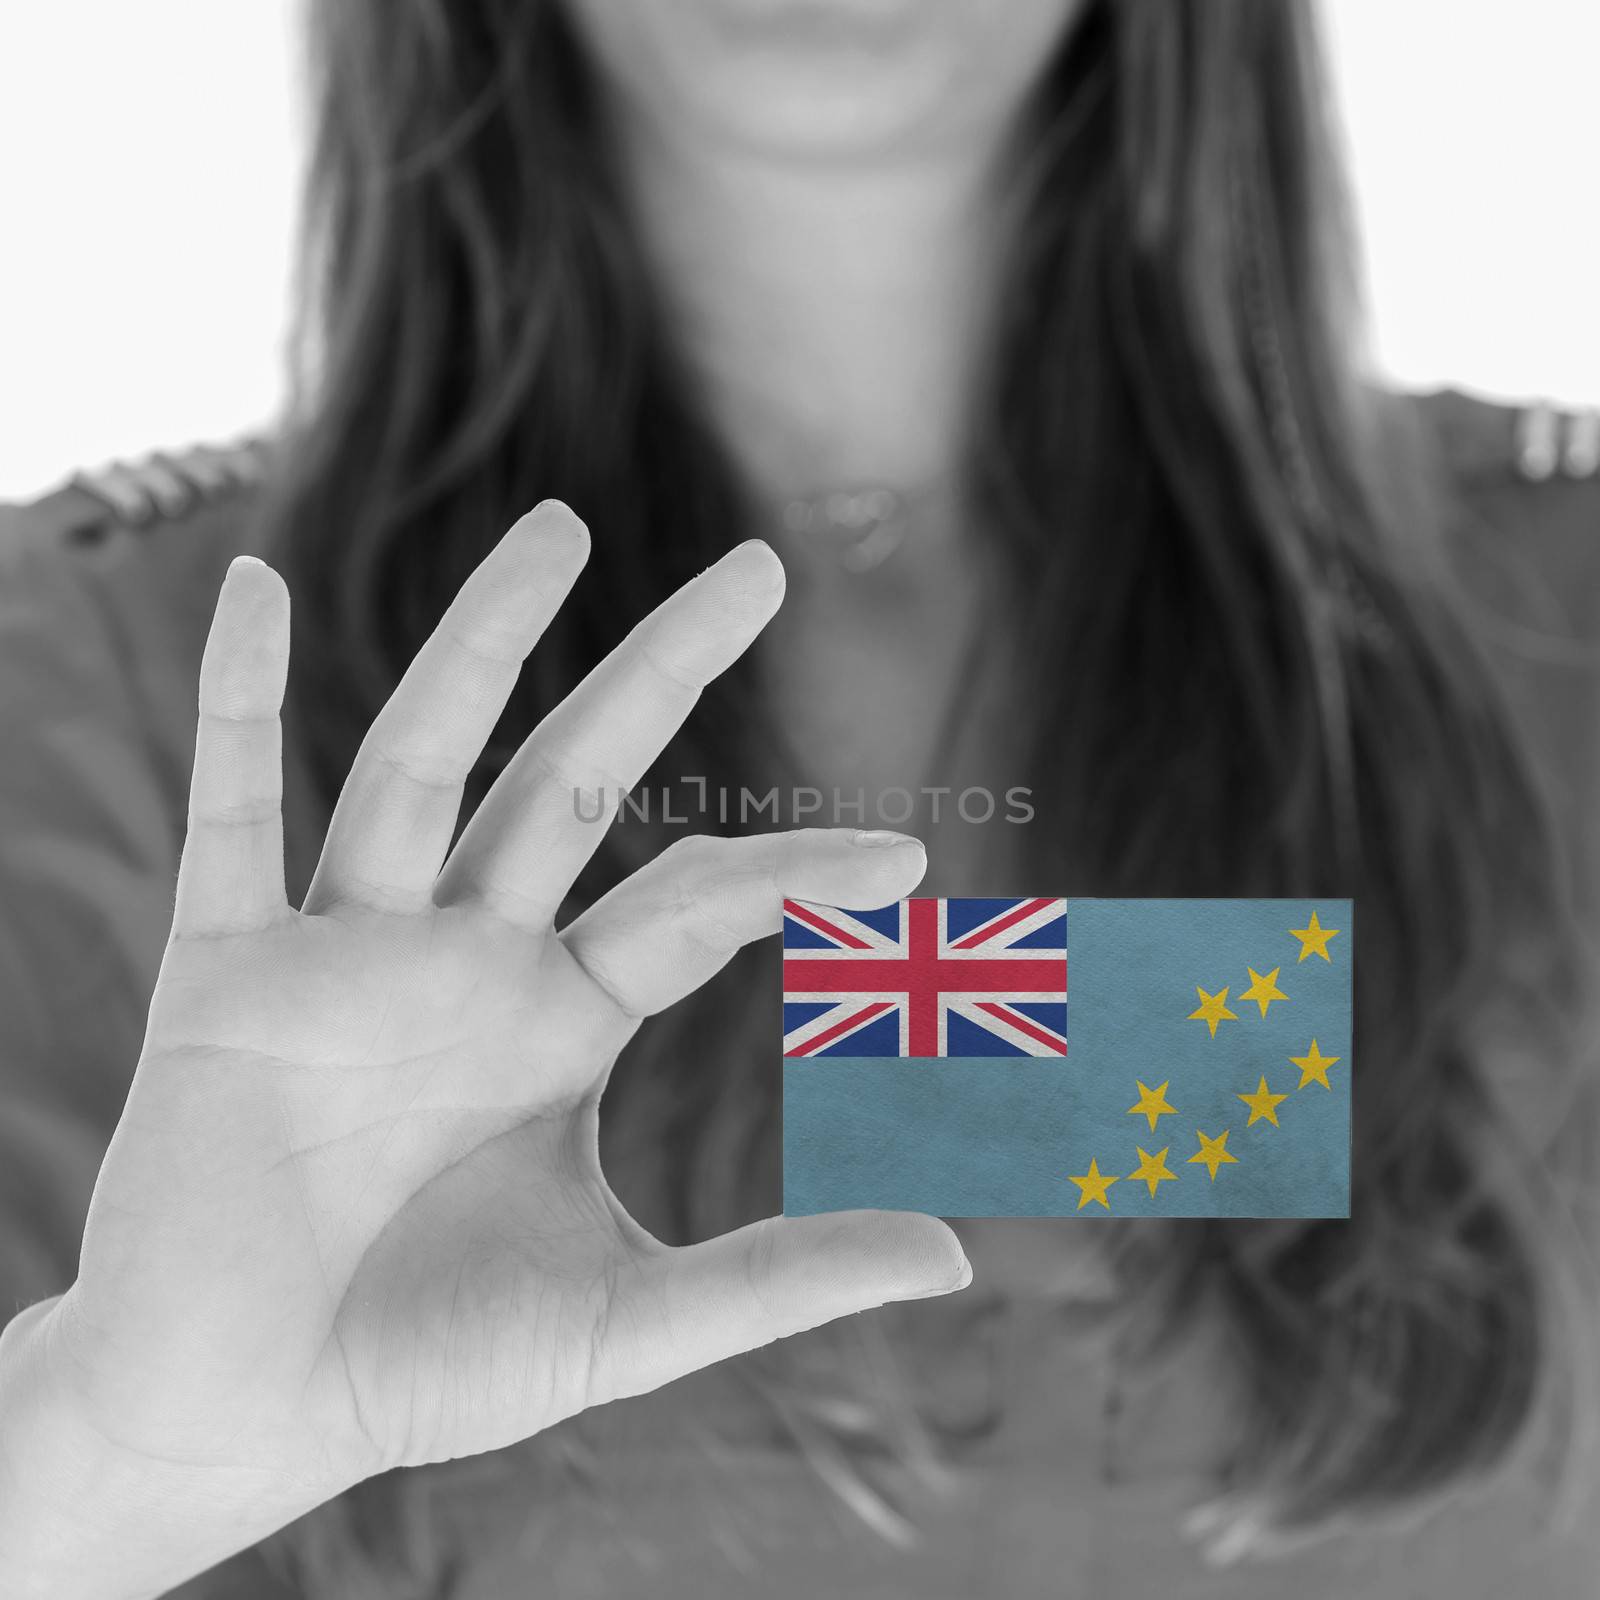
[(81, 1517)]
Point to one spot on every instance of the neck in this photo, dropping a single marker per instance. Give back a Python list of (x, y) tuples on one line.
[(830, 311)]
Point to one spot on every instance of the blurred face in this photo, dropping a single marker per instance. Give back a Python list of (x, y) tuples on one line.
[(820, 77)]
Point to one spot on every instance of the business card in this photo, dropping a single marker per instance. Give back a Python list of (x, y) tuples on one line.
[(1197, 1064)]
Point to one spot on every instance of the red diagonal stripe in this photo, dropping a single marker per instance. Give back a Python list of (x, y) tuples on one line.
[(1023, 1025), (1009, 920), (811, 919), (828, 1035)]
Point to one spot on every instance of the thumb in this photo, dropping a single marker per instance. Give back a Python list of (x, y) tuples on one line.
[(687, 1308)]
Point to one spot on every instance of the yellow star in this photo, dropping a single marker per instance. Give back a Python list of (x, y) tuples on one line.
[(1263, 990), (1314, 1065), (1092, 1186), (1263, 1104), (1213, 1008), (1152, 1104), (1153, 1169), (1212, 1152), (1313, 939)]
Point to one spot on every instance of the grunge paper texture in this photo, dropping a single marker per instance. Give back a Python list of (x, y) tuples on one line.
[(1192, 1058)]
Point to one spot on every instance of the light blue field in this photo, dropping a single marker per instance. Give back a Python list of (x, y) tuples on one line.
[(982, 1138)]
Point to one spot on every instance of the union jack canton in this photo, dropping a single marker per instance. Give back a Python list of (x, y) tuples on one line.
[(924, 978)]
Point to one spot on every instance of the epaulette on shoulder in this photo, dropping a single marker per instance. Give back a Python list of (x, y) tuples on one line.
[(1498, 441), (1521, 481), (164, 486)]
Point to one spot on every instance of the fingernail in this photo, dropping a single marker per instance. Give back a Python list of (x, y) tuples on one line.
[(744, 549), (881, 839), (773, 579), (551, 518), (237, 569)]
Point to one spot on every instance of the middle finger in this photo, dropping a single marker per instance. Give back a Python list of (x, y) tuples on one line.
[(548, 810)]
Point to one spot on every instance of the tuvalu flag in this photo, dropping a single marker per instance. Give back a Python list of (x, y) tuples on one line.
[(929, 1064)]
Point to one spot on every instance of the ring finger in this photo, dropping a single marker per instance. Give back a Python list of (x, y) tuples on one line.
[(397, 812)]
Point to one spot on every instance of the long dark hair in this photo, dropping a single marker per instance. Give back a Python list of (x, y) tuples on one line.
[(1255, 671)]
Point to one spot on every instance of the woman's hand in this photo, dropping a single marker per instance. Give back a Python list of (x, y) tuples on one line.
[(353, 1216)]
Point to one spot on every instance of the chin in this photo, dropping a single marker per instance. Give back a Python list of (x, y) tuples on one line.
[(821, 76)]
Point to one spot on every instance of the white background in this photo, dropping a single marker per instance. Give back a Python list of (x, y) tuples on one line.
[(149, 154)]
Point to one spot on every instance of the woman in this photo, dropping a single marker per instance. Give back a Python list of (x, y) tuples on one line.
[(1068, 293)]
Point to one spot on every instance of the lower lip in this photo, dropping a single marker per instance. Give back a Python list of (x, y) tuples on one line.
[(855, 23)]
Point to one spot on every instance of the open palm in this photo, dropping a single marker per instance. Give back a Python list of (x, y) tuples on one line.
[(353, 1215)]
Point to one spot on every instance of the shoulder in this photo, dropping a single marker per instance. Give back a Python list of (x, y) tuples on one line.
[(1500, 444), (1522, 491), (164, 490), (1521, 487), (117, 569), (107, 588)]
